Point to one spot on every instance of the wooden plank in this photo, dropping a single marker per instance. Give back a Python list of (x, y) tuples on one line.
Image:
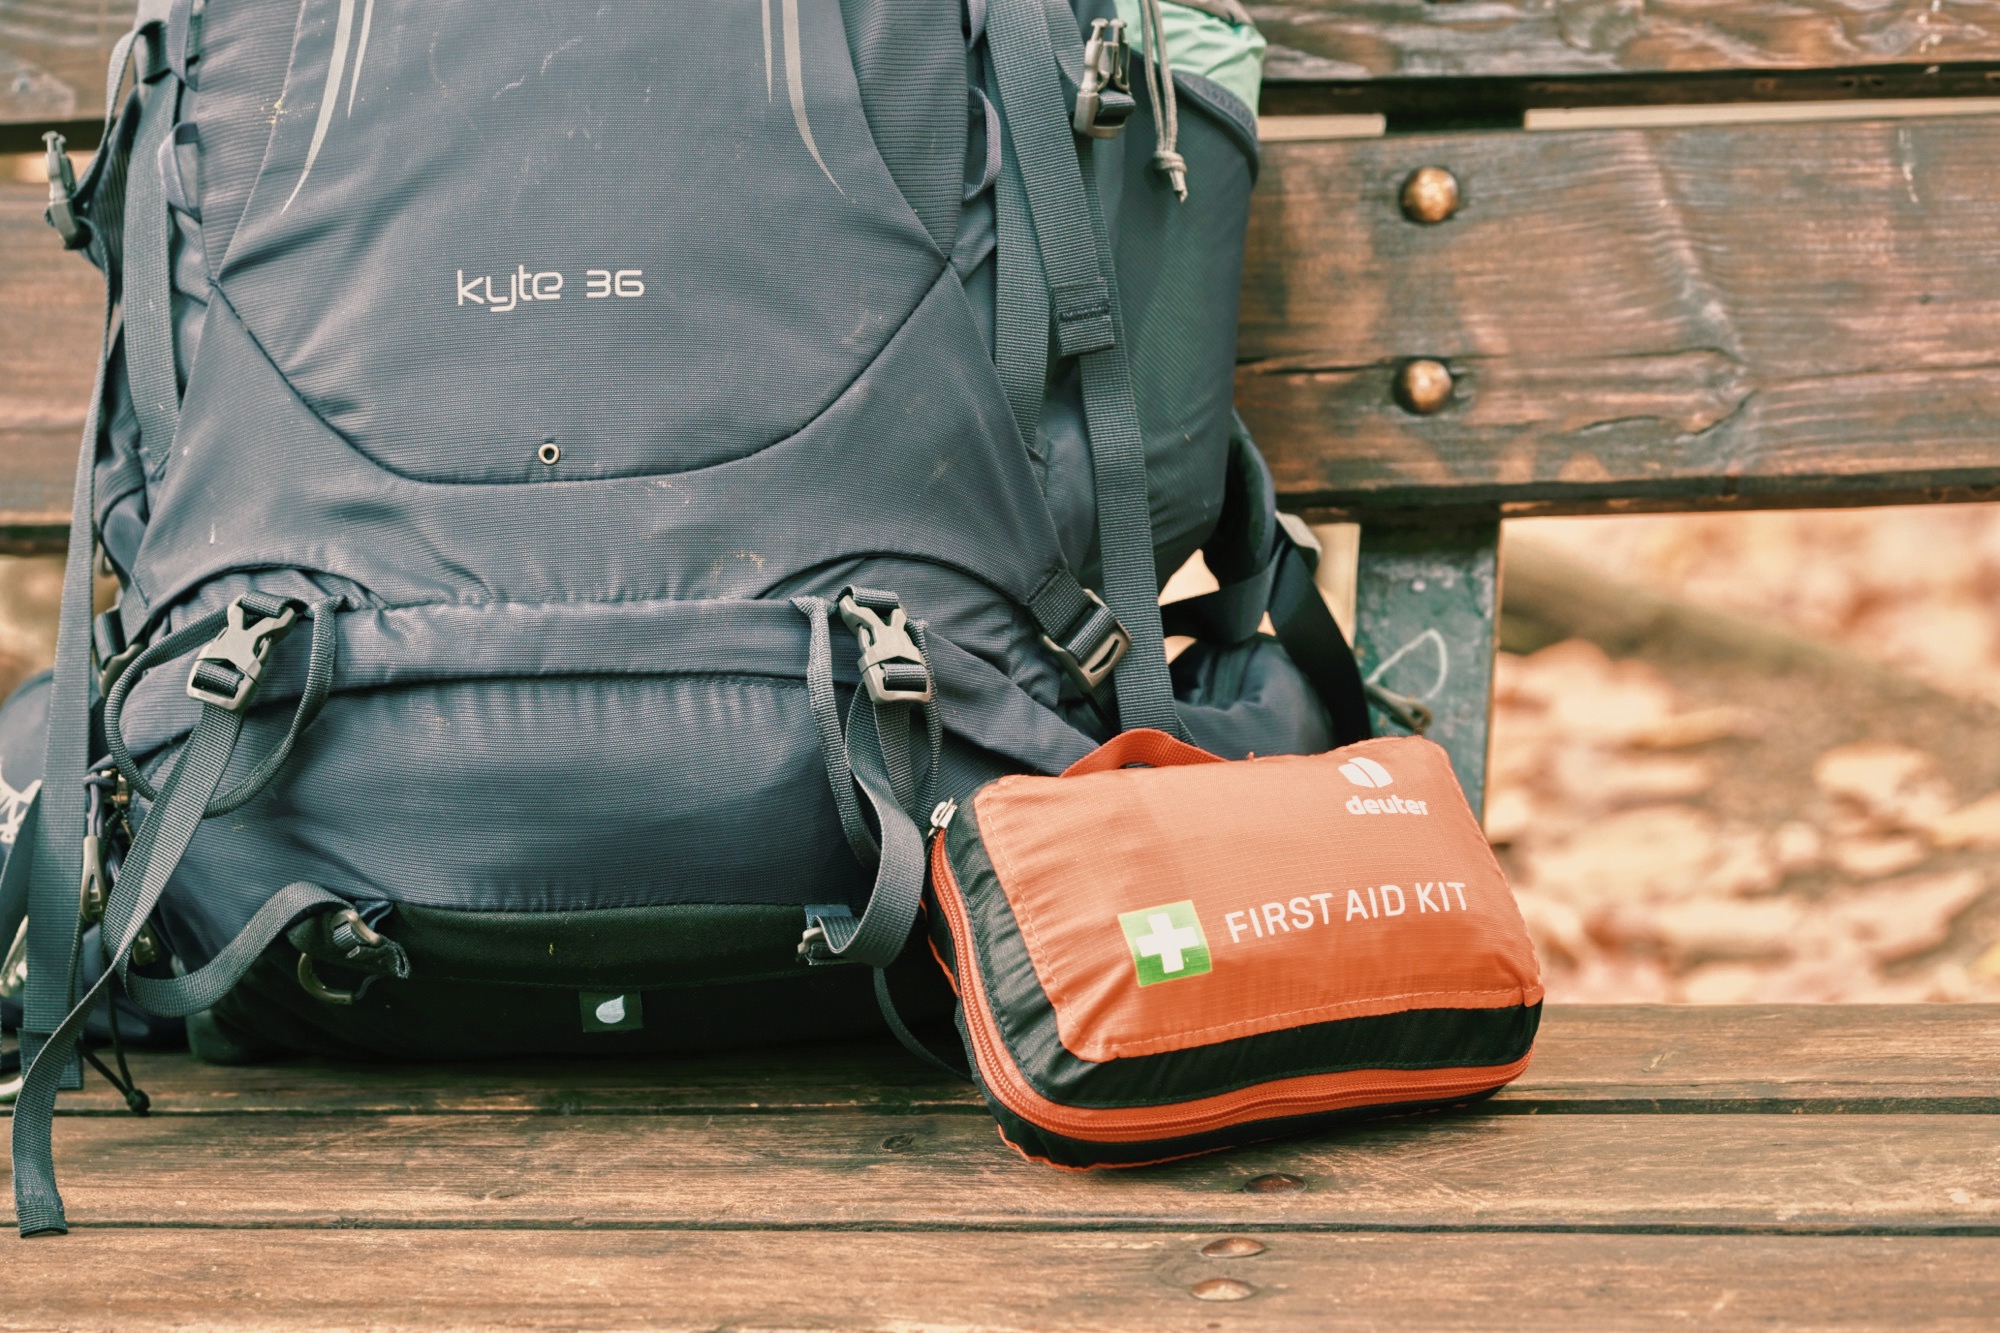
[(1426, 59), (1616, 1058), (1708, 317), (273, 1280), (1428, 610), (1394, 55), (51, 304), (52, 57), (1806, 1173), (1673, 318), (1771, 1058)]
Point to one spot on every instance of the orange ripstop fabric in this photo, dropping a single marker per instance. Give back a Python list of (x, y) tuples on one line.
[(1324, 887)]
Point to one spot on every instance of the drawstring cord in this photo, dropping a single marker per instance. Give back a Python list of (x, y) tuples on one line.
[(1166, 113)]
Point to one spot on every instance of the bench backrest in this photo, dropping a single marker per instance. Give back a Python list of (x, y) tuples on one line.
[(1524, 298)]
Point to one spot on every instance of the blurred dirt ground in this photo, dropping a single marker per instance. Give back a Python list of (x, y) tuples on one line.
[(1736, 758), (1754, 757)]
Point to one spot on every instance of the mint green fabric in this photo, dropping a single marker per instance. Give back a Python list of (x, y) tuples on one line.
[(1203, 44)]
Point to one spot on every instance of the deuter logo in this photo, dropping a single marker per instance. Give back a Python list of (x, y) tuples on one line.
[(610, 1013), (1166, 942), (1364, 772)]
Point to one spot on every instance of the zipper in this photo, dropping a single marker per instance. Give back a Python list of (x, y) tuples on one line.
[(1009, 1087)]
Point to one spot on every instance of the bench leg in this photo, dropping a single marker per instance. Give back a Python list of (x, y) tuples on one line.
[(1428, 605)]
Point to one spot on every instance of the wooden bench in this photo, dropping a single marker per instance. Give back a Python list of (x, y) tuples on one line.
[(1826, 1166), (1624, 310)]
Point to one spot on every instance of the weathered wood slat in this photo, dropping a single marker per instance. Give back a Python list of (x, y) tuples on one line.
[(52, 57), (368, 1279), (51, 302), (1609, 1058), (1377, 55), (1374, 39), (1673, 318), (1703, 317), (1805, 1173)]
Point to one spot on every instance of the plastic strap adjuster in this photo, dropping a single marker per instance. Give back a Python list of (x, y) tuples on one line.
[(1104, 100), (892, 666), (1095, 647), (830, 927), (227, 670), (61, 212)]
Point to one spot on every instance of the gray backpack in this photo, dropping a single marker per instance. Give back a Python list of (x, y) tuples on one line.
[(583, 489)]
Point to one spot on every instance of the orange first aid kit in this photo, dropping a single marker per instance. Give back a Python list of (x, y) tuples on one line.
[(1161, 952)]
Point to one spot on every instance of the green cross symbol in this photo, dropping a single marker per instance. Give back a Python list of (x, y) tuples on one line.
[(1166, 942)]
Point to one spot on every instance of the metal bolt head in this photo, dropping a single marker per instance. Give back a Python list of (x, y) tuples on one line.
[(1221, 1289), (1232, 1247), (1275, 1182), (1430, 195), (1423, 386)]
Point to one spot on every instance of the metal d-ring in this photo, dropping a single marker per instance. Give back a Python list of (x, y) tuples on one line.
[(319, 990)]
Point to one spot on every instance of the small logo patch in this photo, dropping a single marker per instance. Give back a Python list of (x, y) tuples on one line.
[(1166, 942), (1365, 772), (611, 1013)]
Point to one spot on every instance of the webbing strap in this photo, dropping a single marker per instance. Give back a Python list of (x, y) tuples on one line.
[(177, 997), (1058, 178), (825, 707), (148, 274), (1021, 303), (874, 731), (54, 927), (885, 1002), (319, 679), (155, 853)]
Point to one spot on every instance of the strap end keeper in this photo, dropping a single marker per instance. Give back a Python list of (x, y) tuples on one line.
[(1096, 647)]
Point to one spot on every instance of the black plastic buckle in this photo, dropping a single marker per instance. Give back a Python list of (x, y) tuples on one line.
[(1104, 100), (886, 644), (1101, 654), (241, 649), (61, 212)]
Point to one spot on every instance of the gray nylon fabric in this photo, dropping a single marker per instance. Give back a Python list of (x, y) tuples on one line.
[(560, 365), (148, 270), (905, 53)]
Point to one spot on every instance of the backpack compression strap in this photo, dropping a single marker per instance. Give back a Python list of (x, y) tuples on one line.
[(56, 867), (874, 755), (1059, 181), (224, 679)]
